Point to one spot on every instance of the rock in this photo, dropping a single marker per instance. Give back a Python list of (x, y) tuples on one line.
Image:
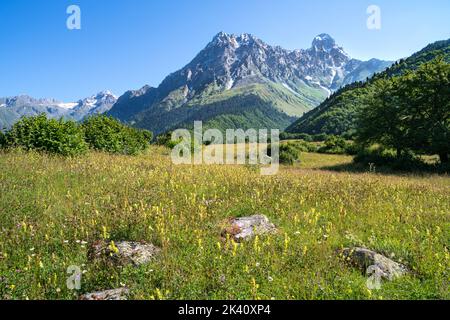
[(124, 252), (114, 294), (241, 229), (365, 258)]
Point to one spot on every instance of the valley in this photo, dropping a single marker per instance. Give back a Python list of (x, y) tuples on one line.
[(53, 209)]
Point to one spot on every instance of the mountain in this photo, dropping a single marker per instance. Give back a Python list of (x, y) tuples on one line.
[(97, 104), (239, 81), (337, 114), (13, 108)]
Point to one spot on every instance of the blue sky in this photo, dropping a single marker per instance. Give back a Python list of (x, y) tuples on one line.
[(124, 45)]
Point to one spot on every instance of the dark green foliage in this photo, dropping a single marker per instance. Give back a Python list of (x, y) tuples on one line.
[(337, 145), (338, 114), (166, 140), (304, 146), (107, 134), (48, 135), (2, 140), (378, 156), (289, 153), (296, 136), (410, 113)]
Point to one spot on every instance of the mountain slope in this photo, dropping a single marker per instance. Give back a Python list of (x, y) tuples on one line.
[(12, 109), (242, 78), (337, 114)]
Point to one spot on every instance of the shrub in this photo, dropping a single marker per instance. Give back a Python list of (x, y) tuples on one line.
[(382, 157), (320, 137), (48, 135), (166, 140), (2, 140), (338, 145), (107, 134), (289, 153), (296, 136)]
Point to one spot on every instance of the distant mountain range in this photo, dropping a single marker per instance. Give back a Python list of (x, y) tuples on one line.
[(338, 113), (236, 81), (13, 108), (239, 81)]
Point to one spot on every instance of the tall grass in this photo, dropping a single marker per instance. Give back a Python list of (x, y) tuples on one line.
[(51, 208)]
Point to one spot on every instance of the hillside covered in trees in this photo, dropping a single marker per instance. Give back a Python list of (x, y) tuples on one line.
[(338, 114)]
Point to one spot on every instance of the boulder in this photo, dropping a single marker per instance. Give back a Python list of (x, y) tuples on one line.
[(114, 294), (124, 252), (245, 228), (364, 259)]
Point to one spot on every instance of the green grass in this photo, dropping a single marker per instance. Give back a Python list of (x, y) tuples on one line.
[(48, 205)]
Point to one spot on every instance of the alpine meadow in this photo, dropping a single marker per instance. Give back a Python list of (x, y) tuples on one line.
[(355, 129)]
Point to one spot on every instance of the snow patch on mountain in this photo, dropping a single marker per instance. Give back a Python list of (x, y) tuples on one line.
[(290, 89)]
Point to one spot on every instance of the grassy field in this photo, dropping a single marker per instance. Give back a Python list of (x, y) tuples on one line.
[(52, 208)]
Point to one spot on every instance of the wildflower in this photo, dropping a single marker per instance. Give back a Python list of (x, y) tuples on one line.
[(105, 233), (270, 279), (112, 247)]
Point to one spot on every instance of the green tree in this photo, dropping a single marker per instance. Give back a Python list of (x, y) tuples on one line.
[(381, 118), (2, 140), (410, 112), (427, 93), (107, 134), (48, 135)]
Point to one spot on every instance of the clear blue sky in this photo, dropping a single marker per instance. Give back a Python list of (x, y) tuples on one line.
[(124, 44)]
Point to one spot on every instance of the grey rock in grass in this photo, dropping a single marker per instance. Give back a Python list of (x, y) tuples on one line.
[(245, 228), (364, 259), (114, 294), (124, 252)]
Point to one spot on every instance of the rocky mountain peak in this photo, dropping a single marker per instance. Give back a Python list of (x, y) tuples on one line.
[(324, 42)]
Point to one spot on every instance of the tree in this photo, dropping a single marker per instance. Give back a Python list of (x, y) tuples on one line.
[(49, 135), (427, 91), (410, 112), (108, 134), (381, 118), (2, 140)]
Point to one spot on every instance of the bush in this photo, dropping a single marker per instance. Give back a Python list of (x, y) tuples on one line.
[(107, 134), (296, 136), (383, 157), (319, 137), (166, 140), (289, 153), (304, 146), (338, 145), (48, 135), (2, 140)]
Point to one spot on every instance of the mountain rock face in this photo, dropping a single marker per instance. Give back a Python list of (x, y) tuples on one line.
[(98, 104), (238, 81), (337, 114), (12, 109)]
